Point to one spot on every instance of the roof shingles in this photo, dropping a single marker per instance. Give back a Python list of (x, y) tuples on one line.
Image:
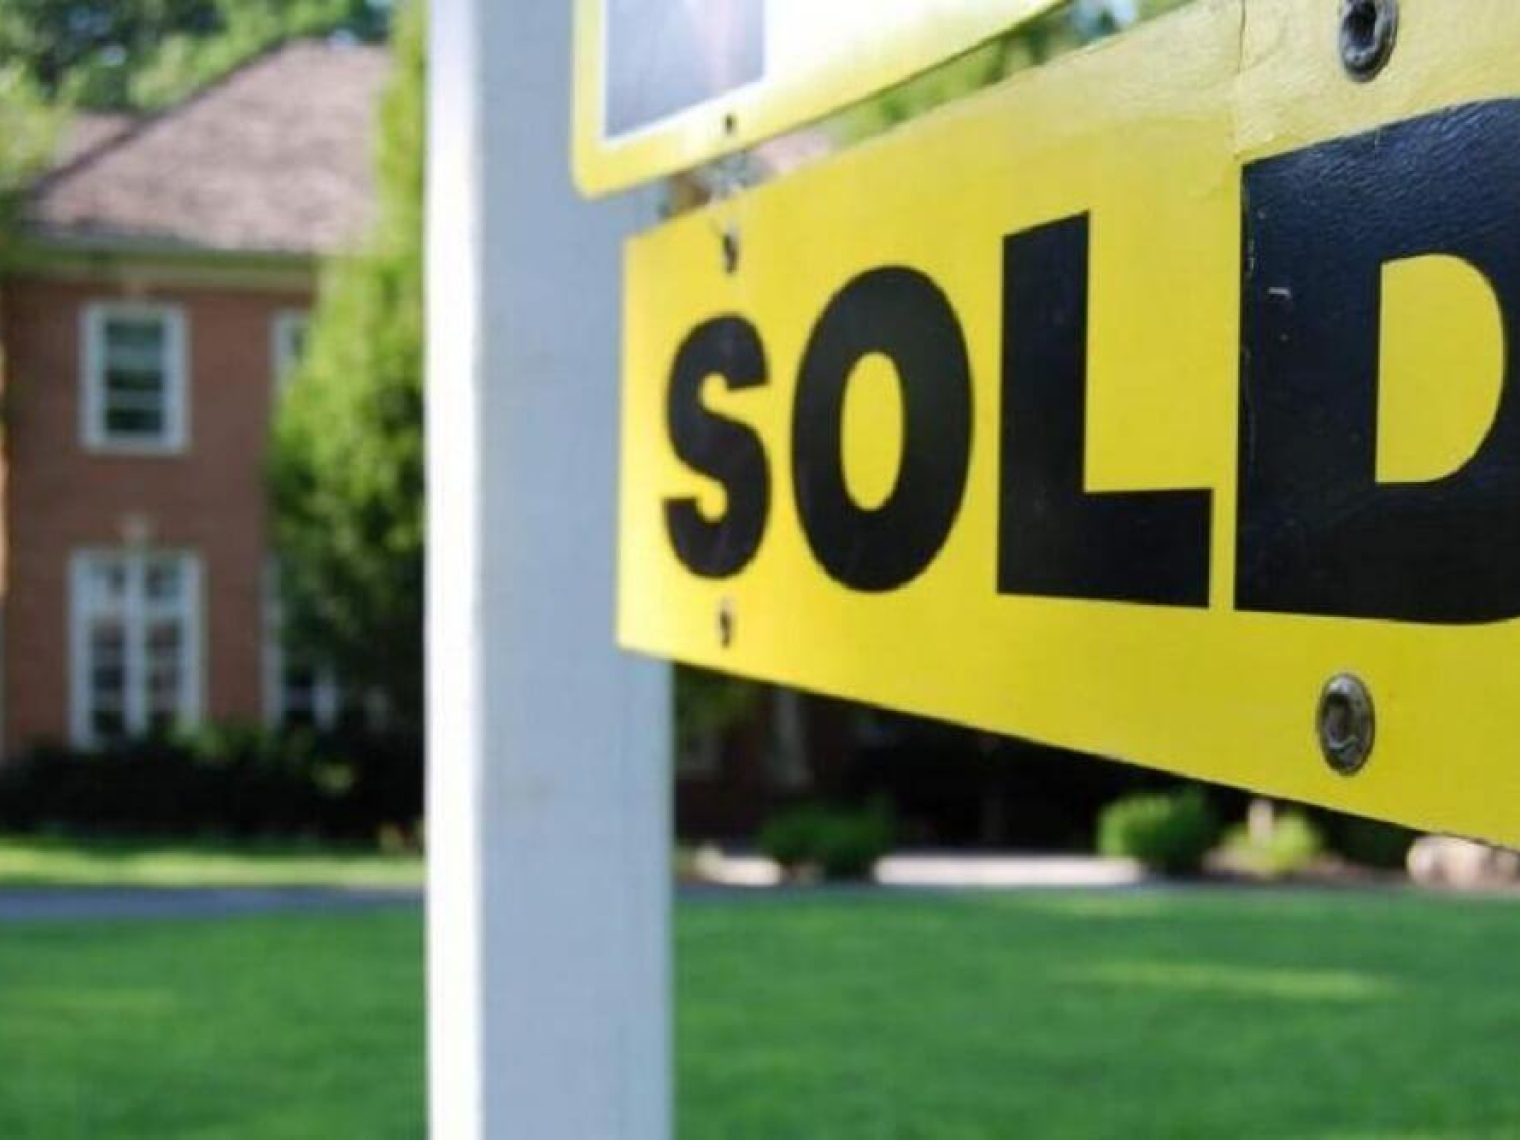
[(274, 158)]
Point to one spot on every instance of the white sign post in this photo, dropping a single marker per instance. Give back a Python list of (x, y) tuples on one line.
[(548, 789)]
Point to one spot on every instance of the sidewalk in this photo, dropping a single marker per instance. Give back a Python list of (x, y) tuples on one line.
[(943, 869), (916, 871)]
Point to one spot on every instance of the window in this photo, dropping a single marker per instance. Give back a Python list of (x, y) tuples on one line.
[(299, 692), (135, 645), (701, 757), (290, 329), (309, 695), (134, 378)]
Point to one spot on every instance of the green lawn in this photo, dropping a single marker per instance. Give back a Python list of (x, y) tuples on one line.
[(293, 1027), (1200, 1014), (1190, 1014), (33, 862)]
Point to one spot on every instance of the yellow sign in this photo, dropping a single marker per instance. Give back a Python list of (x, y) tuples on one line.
[(1158, 403), (666, 85)]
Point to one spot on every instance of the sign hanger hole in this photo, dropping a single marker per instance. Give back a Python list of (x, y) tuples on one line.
[(1368, 31)]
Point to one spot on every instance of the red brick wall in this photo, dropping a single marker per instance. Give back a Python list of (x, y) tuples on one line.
[(59, 497)]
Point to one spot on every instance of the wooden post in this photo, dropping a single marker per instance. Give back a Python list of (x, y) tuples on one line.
[(548, 751)]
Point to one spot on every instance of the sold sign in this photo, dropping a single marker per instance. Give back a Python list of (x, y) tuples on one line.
[(1140, 405)]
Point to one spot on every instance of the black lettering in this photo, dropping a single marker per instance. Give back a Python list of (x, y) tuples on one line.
[(904, 316), (1055, 538), (1318, 534), (722, 449)]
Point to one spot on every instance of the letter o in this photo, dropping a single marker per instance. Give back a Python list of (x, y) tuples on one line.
[(901, 314)]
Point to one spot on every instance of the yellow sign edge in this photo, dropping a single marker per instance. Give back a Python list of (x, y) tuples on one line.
[(755, 113)]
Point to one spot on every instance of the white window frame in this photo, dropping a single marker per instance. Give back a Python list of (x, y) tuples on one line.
[(700, 758), (92, 405), (287, 326), (327, 693), (136, 713)]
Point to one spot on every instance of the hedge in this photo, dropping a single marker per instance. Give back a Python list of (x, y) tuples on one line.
[(229, 781)]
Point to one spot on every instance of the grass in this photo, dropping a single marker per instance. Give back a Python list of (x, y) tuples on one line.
[(280, 1028), (1188, 1014), (43, 862), (1203, 1013)]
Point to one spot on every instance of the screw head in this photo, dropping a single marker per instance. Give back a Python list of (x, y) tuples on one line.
[(1346, 723), (726, 622), (1369, 29), (730, 241)]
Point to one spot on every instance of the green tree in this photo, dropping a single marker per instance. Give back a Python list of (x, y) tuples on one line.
[(347, 469), (141, 54), (29, 128), (1064, 29)]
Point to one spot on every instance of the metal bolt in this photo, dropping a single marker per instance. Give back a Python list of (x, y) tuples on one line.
[(1346, 723), (1368, 31), (730, 249), (726, 623)]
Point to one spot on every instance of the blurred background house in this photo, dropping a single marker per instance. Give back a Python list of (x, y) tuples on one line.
[(158, 301), (163, 274)]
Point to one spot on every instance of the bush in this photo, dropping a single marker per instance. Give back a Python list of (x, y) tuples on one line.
[(850, 843), (1294, 844), (840, 843), (1370, 843), (791, 838), (1168, 832), (232, 781)]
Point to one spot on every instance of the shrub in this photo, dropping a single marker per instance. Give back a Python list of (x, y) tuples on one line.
[(1293, 846), (841, 843), (234, 781), (850, 842), (1371, 843), (1168, 832), (791, 837)]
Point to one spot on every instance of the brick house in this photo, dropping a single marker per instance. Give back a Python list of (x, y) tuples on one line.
[(165, 273)]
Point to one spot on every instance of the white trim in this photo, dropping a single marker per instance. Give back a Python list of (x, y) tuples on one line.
[(92, 430), (80, 734), (284, 359), (327, 692), (326, 696), (195, 640), (273, 647), (146, 271), (135, 657), (135, 614)]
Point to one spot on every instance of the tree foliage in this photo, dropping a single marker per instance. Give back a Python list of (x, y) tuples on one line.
[(347, 470), (142, 54), (1056, 33), (29, 128)]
